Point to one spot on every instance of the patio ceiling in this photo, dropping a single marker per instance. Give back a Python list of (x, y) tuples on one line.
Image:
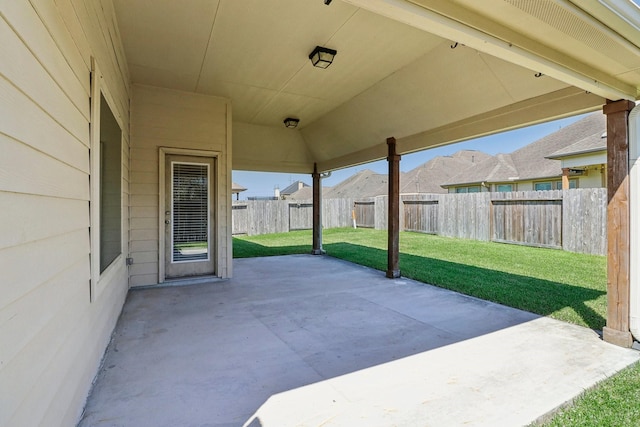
[(395, 74)]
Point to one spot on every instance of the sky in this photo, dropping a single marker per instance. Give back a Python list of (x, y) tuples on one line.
[(264, 183)]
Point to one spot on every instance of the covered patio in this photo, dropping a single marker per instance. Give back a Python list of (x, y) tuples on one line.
[(121, 123), (308, 341)]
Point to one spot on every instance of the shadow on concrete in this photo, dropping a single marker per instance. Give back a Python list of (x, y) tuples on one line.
[(524, 292)]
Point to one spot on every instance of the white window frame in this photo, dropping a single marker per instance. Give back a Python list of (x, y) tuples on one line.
[(99, 280)]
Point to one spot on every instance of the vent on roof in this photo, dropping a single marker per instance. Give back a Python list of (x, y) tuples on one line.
[(575, 26)]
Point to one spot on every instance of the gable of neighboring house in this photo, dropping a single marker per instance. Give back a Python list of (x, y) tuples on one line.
[(586, 159)]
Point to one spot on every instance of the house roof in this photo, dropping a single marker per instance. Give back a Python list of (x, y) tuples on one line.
[(395, 73), (429, 177), (590, 144), (292, 188), (365, 183), (237, 188), (532, 161), (306, 193)]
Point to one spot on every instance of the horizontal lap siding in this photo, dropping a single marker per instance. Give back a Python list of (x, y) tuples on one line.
[(52, 336), (172, 119)]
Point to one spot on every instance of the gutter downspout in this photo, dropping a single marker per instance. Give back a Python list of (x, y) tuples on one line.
[(634, 226), (323, 175)]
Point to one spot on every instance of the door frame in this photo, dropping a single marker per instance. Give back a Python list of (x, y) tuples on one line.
[(215, 190)]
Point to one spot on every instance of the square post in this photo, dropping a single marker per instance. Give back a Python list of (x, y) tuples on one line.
[(617, 330), (565, 178), (393, 246), (317, 212)]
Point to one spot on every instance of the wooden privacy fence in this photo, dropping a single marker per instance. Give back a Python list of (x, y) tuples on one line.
[(365, 213), (254, 217), (573, 220)]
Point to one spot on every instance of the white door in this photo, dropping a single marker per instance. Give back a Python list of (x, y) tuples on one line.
[(189, 216)]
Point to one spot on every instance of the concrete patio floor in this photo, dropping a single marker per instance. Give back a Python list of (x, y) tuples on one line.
[(314, 341)]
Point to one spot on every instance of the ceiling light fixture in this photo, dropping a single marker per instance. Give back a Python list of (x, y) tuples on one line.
[(322, 57), (291, 123)]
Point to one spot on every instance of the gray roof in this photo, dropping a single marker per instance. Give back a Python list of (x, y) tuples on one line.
[(293, 187), (429, 177), (306, 193), (530, 161), (365, 183), (590, 144)]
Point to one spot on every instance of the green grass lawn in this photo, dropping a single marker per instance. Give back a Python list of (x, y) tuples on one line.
[(563, 285)]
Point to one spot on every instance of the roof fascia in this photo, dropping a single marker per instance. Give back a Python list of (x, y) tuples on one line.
[(576, 153)]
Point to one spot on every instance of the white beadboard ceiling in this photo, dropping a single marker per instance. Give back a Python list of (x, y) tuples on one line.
[(395, 74)]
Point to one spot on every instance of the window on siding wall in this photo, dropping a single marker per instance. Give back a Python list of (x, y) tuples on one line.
[(554, 185), (543, 186), (110, 186), (469, 189), (504, 188)]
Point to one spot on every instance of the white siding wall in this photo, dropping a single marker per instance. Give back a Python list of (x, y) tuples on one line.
[(51, 336), (593, 179), (174, 119), (524, 186)]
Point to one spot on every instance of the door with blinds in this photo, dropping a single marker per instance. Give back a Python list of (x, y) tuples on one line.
[(189, 216)]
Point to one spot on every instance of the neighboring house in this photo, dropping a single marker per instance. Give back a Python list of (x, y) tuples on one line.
[(429, 177), (237, 189), (426, 178), (586, 159), (291, 189), (535, 166)]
